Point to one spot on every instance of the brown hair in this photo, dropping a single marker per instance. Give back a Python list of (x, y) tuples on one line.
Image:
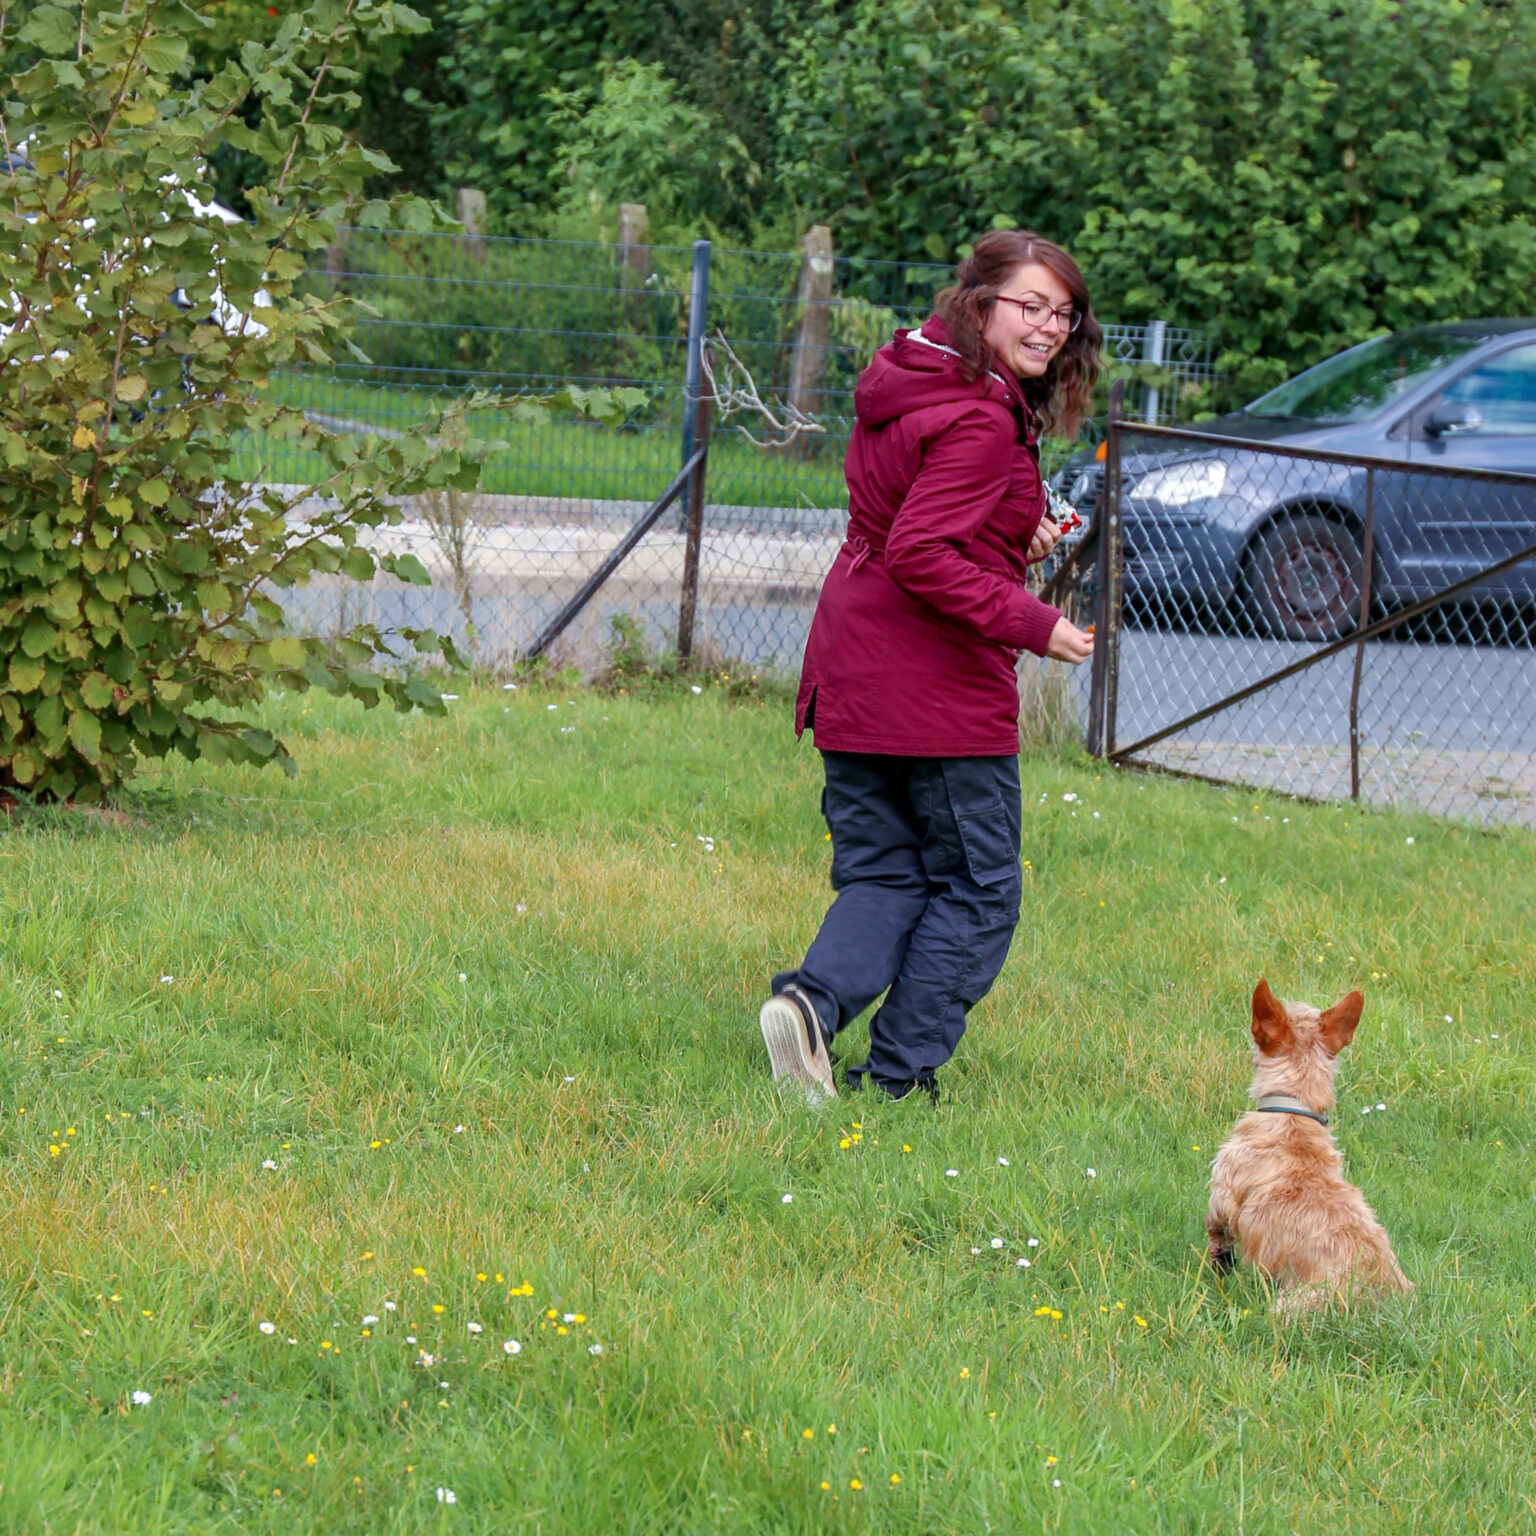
[(1064, 395)]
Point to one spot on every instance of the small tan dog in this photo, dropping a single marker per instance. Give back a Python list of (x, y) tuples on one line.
[(1277, 1189)]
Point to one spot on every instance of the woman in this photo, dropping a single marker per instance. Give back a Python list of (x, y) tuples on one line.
[(909, 680)]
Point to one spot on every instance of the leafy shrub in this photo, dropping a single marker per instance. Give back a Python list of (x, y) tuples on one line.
[(140, 577)]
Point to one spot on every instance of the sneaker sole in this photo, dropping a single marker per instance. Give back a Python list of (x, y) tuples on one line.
[(788, 1054)]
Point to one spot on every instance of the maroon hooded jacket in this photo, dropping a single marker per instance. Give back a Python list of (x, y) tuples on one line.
[(923, 614)]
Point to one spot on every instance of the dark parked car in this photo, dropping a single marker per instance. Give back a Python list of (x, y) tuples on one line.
[(1277, 540)]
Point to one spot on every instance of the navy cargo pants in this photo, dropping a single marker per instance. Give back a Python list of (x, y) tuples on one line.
[(925, 863)]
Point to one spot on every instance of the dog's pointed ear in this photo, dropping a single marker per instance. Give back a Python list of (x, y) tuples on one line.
[(1336, 1026), (1271, 1026)]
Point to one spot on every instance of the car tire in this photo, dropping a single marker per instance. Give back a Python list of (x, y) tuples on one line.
[(1304, 578)]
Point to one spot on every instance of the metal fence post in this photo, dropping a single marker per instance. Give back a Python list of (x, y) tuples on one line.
[(1106, 619), (1152, 353), (1365, 619), (698, 305), (688, 606)]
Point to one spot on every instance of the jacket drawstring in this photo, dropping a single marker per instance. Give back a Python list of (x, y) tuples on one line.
[(861, 551)]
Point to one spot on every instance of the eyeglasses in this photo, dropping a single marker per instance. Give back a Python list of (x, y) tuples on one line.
[(1036, 313)]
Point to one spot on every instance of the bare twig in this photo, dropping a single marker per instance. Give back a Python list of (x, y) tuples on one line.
[(734, 392)]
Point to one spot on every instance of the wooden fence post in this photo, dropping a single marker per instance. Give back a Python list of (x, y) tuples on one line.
[(808, 362), (634, 238), (471, 214)]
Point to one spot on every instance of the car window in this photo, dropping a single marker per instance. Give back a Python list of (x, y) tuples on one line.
[(1366, 379), (1503, 390)]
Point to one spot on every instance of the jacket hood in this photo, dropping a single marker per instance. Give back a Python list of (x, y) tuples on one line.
[(913, 370)]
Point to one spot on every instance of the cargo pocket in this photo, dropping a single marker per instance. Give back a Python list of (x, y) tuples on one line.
[(989, 852)]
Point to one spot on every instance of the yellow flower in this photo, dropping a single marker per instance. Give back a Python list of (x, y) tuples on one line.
[(965, 1373), (480, 1276), (581, 1317), (895, 1478), (1102, 1307), (500, 1280), (437, 1306), (825, 1487), (858, 1125), (368, 1253), (419, 1272), (373, 1146), (53, 1151), (309, 1460), (1119, 1306), (367, 1333), (807, 1434), (1055, 1314), (326, 1344), (845, 1143), (1050, 1461), (856, 1136), (855, 1484), (1141, 1322), (552, 1313), (905, 1147), (831, 1429), (561, 1328)]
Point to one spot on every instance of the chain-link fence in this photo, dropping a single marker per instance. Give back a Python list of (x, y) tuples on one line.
[(1328, 624), (789, 336)]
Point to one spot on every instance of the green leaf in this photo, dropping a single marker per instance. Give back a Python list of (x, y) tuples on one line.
[(408, 568), (358, 564), (154, 493), (96, 691), (287, 652), (26, 673), (38, 636), (162, 53), (51, 30), (85, 733)]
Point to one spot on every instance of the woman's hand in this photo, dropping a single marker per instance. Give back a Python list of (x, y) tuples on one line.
[(1043, 542), (1069, 643)]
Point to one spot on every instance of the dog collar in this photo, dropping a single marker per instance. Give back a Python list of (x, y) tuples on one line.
[(1284, 1104)]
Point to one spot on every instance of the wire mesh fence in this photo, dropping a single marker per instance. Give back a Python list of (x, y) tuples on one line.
[(1330, 625), (453, 314)]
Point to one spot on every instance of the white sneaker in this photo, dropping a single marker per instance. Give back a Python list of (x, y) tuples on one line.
[(797, 1050)]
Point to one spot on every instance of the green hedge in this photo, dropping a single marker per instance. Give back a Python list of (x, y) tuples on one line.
[(1298, 174)]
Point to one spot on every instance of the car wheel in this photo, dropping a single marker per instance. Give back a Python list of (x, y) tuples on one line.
[(1304, 576)]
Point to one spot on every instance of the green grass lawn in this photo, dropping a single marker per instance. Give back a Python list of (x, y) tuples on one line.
[(457, 1031), (563, 458), (576, 459)]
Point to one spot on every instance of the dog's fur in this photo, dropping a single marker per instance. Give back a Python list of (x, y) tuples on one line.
[(1277, 1189)]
